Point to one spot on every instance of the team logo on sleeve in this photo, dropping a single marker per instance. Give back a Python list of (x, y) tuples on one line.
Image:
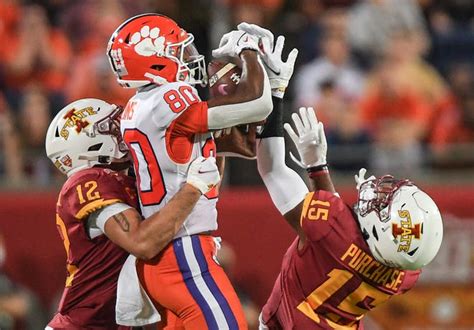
[(406, 230), (77, 119)]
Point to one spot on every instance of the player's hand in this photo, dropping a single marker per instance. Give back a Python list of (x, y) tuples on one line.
[(309, 139), (279, 72), (360, 179), (234, 42), (257, 31), (203, 174)]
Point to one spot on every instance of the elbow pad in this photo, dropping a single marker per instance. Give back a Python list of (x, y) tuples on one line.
[(228, 115)]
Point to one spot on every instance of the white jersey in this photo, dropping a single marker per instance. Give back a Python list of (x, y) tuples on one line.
[(162, 151)]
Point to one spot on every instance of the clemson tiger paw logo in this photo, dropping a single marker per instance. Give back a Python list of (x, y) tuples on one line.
[(148, 42)]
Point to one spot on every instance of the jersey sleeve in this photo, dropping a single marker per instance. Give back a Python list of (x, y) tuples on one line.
[(178, 103), (321, 210), (192, 121), (91, 192), (409, 281), (180, 133)]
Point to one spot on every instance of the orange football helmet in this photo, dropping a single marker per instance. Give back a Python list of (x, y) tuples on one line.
[(152, 48)]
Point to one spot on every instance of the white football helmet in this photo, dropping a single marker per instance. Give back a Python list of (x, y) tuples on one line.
[(401, 224), (85, 133)]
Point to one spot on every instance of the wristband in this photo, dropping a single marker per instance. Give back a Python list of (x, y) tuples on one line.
[(317, 170), (313, 175), (278, 92)]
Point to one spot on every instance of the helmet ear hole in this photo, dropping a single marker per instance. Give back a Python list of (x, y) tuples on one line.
[(56, 133), (157, 67), (412, 252), (365, 234), (95, 147), (374, 232)]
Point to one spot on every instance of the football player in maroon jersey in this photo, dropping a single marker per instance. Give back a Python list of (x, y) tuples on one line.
[(345, 260), (96, 212)]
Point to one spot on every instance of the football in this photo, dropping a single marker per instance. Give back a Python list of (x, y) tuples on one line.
[(223, 78), (239, 141)]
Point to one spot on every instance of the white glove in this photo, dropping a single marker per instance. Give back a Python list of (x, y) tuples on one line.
[(234, 42), (203, 174), (360, 179), (257, 31), (310, 140), (279, 72)]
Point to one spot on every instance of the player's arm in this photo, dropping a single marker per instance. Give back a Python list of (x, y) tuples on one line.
[(145, 239), (323, 202), (285, 186), (251, 101), (287, 189)]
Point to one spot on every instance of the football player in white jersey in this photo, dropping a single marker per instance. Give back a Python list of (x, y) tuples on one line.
[(166, 126)]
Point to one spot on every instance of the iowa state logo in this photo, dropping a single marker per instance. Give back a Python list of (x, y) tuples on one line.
[(76, 118), (406, 231)]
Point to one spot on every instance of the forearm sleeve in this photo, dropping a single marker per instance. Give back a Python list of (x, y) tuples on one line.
[(285, 186), (229, 115)]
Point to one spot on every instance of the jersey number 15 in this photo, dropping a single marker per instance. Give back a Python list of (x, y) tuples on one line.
[(352, 304)]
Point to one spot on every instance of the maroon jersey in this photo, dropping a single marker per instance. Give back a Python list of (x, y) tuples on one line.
[(93, 264), (333, 280)]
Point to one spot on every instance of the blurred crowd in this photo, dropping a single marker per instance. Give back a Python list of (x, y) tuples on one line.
[(20, 308), (391, 79)]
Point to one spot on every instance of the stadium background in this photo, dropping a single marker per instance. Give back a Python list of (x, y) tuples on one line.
[(391, 79)]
